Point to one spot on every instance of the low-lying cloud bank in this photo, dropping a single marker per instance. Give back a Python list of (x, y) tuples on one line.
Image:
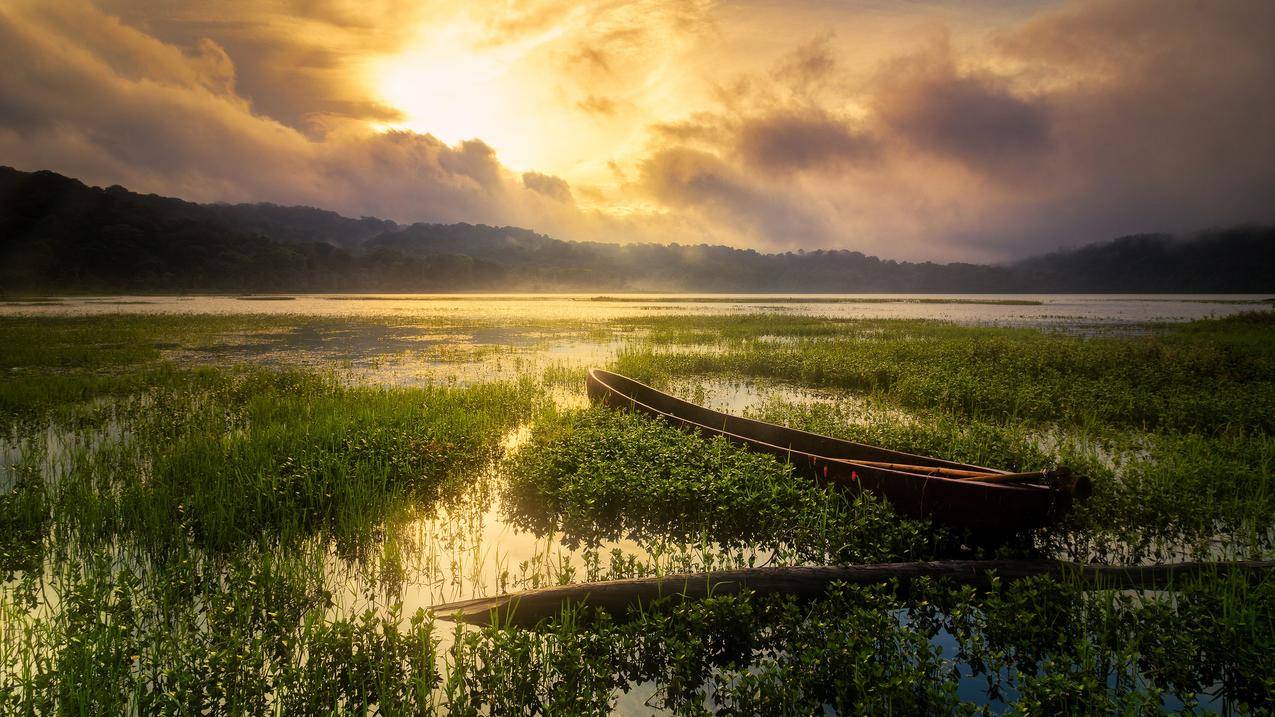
[(1095, 119)]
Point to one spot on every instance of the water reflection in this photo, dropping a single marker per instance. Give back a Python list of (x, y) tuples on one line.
[(410, 355), (1089, 311)]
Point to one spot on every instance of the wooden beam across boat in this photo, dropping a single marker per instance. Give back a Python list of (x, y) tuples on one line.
[(1038, 479), (617, 597)]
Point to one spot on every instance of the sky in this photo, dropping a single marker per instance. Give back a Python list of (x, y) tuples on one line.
[(954, 130)]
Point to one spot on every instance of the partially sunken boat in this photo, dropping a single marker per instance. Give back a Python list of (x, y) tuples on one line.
[(984, 500)]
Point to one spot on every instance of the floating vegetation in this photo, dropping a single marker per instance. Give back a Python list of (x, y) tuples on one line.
[(576, 476), (186, 526)]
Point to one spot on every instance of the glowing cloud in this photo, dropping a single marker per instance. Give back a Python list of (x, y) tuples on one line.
[(975, 130)]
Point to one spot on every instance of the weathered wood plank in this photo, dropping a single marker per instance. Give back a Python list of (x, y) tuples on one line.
[(618, 596)]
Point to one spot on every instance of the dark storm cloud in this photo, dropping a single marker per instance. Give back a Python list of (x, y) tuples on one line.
[(1161, 118), (809, 65), (298, 52), (158, 119), (692, 179), (973, 117), (788, 142), (1099, 118)]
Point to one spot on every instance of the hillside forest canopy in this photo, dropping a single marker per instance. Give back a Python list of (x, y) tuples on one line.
[(58, 235)]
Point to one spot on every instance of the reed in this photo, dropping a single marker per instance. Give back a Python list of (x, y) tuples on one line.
[(182, 537)]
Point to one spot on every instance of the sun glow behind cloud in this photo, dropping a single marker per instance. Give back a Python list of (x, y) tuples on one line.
[(563, 88), (452, 84), (980, 130)]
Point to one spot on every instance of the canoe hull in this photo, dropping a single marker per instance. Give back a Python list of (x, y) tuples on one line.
[(985, 508)]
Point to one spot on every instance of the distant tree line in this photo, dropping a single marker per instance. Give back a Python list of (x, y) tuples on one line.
[(59, 236)]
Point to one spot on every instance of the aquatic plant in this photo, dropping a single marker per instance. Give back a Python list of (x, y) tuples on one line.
[(602, 474), (191, 536), (1178, 379)]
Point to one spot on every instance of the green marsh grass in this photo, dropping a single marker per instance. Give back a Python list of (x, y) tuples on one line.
[(248, 540), (604, 475), (1156, 496), (1174, 427), (1209, 376)]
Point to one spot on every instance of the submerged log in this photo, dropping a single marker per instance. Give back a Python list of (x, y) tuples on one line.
[(618, 596)]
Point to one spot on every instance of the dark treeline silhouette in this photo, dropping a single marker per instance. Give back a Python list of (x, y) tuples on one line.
[(1239, 259), (676, 267), (59, 236)]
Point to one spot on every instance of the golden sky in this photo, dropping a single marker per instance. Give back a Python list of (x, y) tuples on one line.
[(960, 130)]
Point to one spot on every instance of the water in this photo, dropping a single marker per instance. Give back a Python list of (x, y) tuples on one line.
[(510, 309), (452, 338)]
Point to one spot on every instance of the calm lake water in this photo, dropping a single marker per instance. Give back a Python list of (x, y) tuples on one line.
[(407, 340), (999, 309)]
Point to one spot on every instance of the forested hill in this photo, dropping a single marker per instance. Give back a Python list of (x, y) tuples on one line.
[(1240, 259), (676, 267), (59, 236)]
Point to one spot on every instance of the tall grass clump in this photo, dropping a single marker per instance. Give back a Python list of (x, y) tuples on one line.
[(1179, 379), (256, 633), (252, 454), (179, 557)]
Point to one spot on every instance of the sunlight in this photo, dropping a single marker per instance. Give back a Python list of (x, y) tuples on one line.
[(456, 87)]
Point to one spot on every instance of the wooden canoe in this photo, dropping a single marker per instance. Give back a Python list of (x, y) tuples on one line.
[(987, 508)]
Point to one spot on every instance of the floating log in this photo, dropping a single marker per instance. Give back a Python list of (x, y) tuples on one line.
[(616, 597)]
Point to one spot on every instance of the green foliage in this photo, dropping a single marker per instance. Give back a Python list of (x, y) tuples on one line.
[(1155, 496), (225, 458), (1176, 379), (1065, 650), (235, 540), (602, 474), (1041, 646), (24, 516), (850, 651), (245, 636)]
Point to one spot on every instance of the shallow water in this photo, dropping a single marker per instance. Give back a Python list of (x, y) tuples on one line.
[(1067, 310), (405, 355), (433, 338)]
